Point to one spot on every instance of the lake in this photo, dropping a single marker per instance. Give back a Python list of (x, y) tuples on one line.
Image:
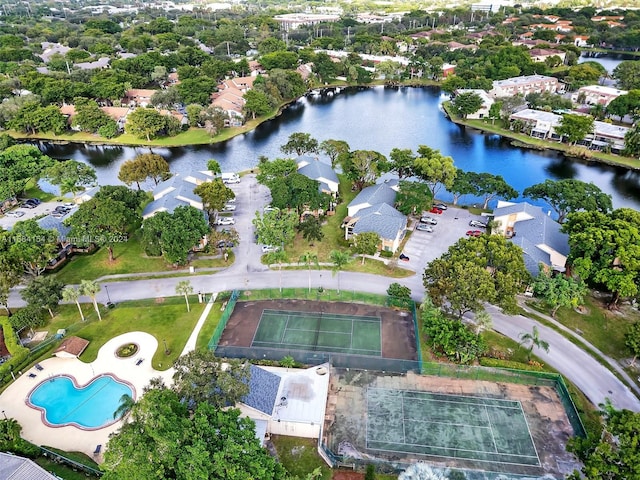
[(378, 119)]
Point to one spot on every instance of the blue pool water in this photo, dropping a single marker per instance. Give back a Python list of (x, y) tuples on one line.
[(91, 406)]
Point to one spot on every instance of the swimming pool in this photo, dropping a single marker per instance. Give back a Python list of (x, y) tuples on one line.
[(63, 402)]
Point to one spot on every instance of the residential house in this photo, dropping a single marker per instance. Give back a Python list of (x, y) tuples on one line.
[(605, 136), (138, 97), (181, 117), (230, 97), (524, 85), (581, 41), (118, 114), (292, 21), (49, 49), (176, 191), (487, 101), (320, 172), (528, 42), (372, 211), (86, 195), (597, 94), (95, 64), (448, 69), (13, 467), (287, 401), (535, 232), (541, 54)]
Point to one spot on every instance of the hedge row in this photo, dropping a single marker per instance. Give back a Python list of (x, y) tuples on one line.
[(17, 351)]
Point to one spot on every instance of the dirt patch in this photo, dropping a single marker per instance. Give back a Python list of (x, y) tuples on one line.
[(397, 332), (345, 429), (346, 475)]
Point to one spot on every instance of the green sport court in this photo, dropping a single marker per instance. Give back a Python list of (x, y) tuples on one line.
[(317, 331), (450, 426)]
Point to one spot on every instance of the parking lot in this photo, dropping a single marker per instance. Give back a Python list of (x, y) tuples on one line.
[(423, 247), (45, 208)]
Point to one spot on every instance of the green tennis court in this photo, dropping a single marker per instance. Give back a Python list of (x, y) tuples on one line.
[(450, 426), (318, 331)]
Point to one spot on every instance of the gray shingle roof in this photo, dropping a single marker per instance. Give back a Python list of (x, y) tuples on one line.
[(263, 390), (168, 202), (52, 223), (13, 467), (375, 194), (382, 219), (532, 255), (316, 170)]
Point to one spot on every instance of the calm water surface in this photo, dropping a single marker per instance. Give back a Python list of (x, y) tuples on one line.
[(374, 119)]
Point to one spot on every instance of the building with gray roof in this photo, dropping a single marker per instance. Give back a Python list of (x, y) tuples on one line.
[(535, 232), (320, 172), (13, 467), (373, 195), (176, 191)]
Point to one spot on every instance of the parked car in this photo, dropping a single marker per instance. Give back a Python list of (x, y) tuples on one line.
[(474, 233), (477, 224), (36, 201), (436, 210), (429, 220), (404, 258), (225, 221), (61, 209), (15, 214), (269, 248), (423, 227), (29, 205), (59, 213), (225, 244), (270, 209), (441, 206), (229, 207)]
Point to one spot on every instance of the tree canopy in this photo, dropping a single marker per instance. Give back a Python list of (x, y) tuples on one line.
[(466, 103), (71, 176), (300, 144), (574, 127), (435, 169), (474, 271), (142, 167), (275, 227), (18, 165), (570, 195)]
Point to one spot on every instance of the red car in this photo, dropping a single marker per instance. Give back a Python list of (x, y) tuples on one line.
[(474, 233), (436, 210)]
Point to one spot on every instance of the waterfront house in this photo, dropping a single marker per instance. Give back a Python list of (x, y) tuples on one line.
[(597, 95), (487, 101), (524, 85), (176, 191), (320, 172)]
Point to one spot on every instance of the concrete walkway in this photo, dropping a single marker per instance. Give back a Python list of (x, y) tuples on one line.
[(193, 338)]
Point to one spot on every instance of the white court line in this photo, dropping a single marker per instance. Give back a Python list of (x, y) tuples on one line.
[(493, 438)]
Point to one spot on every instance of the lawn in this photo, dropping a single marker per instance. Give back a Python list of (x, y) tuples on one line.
[(300, 456), (602, 327), (129, 258), (165, 320), (61, 470), (210, 325)]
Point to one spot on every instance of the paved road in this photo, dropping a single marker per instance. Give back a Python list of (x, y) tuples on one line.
[(248, 273)]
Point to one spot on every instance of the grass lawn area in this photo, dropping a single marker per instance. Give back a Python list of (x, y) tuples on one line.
[(61, 470), (129, 258), (210, 325), (600, 326), (168, 321), (300, 456)]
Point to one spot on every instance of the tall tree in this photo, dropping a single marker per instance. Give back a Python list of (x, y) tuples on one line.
[(214, 194), (201, 377), (401, 162), (278, 256), (71, 176), (574, 127), (185, 288), (362, 167), (413, 197), (333, 149), (466, 103), (632, 340), (214, 166), (490, 186), (103, 222), (300, 144), (627, 74), (275, 228), (143, 166), (18, 165), (559, 290), (309, 258), (533, 340), (146, 123), (366, 243), (570, 195), (463, 184), (435, 169), (91, 289), (72, 294), (166, 439), (311, 229), (256, 103), (605, 250), (43, 292), (339, 259), (33, 246), (474, 271)]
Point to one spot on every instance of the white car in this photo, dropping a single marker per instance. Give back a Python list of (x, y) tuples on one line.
[(229, 207), (429, 220), (477, 224), (269, 248), (225, 221), (422, 227), (16, 214)]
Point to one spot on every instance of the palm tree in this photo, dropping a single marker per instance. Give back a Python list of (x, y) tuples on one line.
[(91, 288), (534, 340), (70, 294), (279, 256), (308, 258), (340, 260), (124, 408), (184, 288)]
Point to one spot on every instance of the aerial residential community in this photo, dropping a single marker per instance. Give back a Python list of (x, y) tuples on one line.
[(338, 240)]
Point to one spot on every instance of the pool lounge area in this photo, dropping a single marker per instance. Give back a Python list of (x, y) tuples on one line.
[(62, 434)]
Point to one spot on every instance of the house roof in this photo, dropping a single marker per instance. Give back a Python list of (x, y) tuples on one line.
[(532, 255), (167, 203), (382, 219), (381, 193), (13, 467), (116, 113), (100, 63), (73, 346), (317, 170), (263, 390), (51, 223)]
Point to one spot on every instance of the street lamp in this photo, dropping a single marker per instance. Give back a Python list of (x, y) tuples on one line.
[(4, 414), (106, 289)]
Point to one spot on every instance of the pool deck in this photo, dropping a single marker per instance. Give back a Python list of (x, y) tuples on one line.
[(13, 399)]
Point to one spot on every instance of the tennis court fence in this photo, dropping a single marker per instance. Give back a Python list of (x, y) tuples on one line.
[(306, 357), (231, 303)]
